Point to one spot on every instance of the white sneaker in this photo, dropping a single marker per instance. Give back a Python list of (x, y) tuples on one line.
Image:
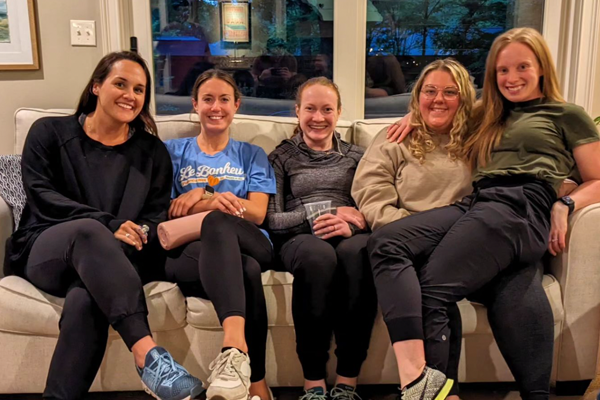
[(230, 376), (258, 398)]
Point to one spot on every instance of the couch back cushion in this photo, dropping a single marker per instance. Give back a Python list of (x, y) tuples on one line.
[(266, 132), (364, 130)]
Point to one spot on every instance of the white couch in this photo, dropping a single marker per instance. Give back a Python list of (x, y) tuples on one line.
[(190, 330)]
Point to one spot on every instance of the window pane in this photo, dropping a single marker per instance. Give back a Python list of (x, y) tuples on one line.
[(269, 46), (404, 36)]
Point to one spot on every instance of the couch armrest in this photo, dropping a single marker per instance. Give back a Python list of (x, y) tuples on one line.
[(6, 228), (578, 272)]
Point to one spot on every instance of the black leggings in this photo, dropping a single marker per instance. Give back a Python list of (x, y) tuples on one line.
[(225, 267), (333, 292), (458, 249), (82, 261)]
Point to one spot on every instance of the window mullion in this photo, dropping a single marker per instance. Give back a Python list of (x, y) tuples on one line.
[(349, 44)]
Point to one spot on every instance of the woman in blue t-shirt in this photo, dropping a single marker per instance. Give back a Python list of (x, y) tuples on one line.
[(213, 172)]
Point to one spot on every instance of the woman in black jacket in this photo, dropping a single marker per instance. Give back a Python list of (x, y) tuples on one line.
[(97, 184)]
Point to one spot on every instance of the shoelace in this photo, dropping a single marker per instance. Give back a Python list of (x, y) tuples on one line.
[(314, 396), (224, 365), (166, 366), (342, 394)]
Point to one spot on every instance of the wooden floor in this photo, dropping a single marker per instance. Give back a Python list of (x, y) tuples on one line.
[(376, 392)]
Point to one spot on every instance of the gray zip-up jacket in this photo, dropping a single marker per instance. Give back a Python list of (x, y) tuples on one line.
[(305, 176)]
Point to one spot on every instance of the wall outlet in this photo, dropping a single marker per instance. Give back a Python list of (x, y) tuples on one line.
[(83, 33)]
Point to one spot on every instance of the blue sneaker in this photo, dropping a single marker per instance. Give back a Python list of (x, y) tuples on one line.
[(165, 379)]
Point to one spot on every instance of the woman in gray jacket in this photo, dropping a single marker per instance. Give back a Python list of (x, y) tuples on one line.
[(333, 288)]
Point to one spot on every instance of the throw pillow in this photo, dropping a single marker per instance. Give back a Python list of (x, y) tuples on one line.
[(11, 185)]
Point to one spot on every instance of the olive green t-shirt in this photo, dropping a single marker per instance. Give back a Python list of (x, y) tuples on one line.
[(539, 140)]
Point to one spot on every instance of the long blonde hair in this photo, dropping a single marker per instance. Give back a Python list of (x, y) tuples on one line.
[(490, 113), (421, 140)]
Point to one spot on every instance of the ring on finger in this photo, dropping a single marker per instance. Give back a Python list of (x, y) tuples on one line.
[(127, 235), (554, 240)]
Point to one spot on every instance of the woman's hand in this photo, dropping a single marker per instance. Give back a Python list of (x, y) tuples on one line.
[(400, 129), (182, 204), (228, 203), (328, 225), (352, 216), (559, 224), (129, 232)]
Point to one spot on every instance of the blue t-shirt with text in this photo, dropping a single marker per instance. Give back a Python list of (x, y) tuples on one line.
[(240, 168)]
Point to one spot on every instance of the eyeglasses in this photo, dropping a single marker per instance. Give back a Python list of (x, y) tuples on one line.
[(449, 92)]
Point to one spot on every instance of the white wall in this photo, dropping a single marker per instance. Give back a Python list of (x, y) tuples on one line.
[(64, 69)]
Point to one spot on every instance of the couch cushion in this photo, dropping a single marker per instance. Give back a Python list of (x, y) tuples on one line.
[(365, 130), (25, 117), (28, 310), (11, 186), (278, 295), (266, 132)]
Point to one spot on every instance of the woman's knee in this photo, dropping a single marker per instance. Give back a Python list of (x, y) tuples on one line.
[(352, 253), (384, 240), (216, 222), (314, 259), (90, 230)]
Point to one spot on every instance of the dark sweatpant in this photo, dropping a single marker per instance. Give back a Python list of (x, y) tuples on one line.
[(82, 261), (225, 267), (458, 249), (333, 292)]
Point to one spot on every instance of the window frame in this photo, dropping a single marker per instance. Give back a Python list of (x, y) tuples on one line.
[(573, 45)]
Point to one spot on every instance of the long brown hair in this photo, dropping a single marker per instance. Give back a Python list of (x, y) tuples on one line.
[(421, 140), (319, 80), (88, 100), (490, 113)]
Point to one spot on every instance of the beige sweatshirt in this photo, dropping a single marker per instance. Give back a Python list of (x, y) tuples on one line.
[(390, 183)]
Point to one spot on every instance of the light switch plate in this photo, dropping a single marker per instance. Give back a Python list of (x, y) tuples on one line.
[(83, 33)]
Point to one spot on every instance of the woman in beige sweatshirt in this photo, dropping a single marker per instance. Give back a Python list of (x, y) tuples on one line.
[(423, 172)]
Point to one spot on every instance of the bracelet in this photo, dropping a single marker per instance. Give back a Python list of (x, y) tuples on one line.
[(209, 192)]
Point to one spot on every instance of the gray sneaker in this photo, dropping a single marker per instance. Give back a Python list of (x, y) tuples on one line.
[(432, 385), (316, 393), (230, 376), (343, 392)]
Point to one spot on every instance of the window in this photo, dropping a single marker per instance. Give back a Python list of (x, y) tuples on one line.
[(270, 47), (405, 36)]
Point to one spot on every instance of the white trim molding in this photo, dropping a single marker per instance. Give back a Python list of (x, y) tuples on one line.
[(116, 23), (121, 19), (349, 55), (577, 56), (553, 20)]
